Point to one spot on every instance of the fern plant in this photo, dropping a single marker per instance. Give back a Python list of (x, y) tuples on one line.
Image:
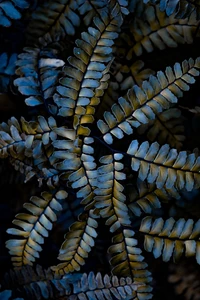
[(104, 136)]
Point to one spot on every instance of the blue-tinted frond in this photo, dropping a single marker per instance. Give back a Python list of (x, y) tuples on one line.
[(7, 69), (10, 10)]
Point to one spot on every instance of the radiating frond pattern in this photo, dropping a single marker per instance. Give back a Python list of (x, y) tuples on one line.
[(34, 227), (171, 238), (91, 118)]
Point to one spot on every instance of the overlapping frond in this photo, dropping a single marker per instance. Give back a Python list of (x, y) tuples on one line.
[(89, 8), (7, 69), (41, 284), (167, 128), (148, 197), (181, 8), (159, 31), (142, 104), (11, 10), (84, 178), (109, 193), (53, 20), (171, 238), (103, 288), (78, 243), (165, 166), (126, 260), (26, 140), (76, 94), (25, 167), (38, 72), (34, 227)]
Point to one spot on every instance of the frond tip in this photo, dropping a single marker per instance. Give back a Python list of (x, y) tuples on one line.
[(142, 104), (171, 237), (165, 166), (78, 243), (33, 227)]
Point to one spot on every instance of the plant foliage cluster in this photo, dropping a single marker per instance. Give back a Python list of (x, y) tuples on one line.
[(102, 133)]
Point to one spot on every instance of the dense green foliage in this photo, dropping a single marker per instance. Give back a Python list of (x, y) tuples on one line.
[(100, 116)]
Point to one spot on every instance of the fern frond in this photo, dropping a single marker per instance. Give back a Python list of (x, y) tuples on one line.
[(11, 10), (109, 193), (159, 31), (181, 8), (42, 284), (90, 8), (148, 197), (166, 128), (25, 167), (38, 73), (78, 243), (165, 166), (138, 74), (33, 227), (107, 287), (53, 20), (77, 90), (85, 178), (30, 140), (128, 261), (7, 69), (171, 237), (142, 104)]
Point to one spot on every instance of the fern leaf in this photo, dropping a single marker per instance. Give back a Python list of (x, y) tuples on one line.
[(33, 227), (90, 8), (123, 78), (42, 284), (85, 178), (78, 243), (159, 31), (7, 69), (171, 237), (128, 261), (29, 141), (104, 287), (39, 72), (77, 89), (25, 167), (181, 8), (144, 103), (53, 20), (165, 166), (10, 10), (110, 198), (166, 128), (148, 197)]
